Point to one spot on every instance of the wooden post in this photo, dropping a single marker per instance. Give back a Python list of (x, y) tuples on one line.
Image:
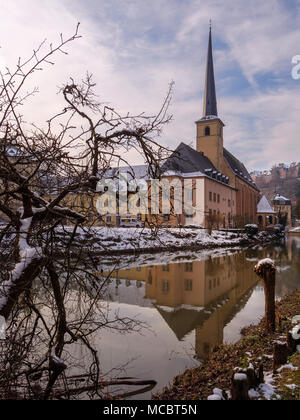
[(280, 355), (266, 270), (239, 387), (255, 376), (260, 375), (291, 343)]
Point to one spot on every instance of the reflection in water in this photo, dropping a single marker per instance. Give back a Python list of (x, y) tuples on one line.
[(199, 295), (204, 301)]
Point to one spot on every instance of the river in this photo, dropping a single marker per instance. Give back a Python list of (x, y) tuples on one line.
[(190, 306)]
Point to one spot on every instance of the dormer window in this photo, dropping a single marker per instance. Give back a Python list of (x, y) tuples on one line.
[(207, 131)]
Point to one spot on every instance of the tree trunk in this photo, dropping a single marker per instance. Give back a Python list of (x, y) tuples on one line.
[(23, 283), (269, 287)]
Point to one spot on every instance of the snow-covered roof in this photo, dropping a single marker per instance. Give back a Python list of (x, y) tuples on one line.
[(280, 200), (133, 172), (264, 206), (280, 197), (13, 151), (208, 118)]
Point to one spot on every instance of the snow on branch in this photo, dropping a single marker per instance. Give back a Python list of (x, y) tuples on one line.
[(27, 255), (56, 361)]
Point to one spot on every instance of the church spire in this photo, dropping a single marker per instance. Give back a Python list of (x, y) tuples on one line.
[(210, 100)]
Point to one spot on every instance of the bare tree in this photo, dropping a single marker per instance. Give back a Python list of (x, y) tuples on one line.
[(51, 294)]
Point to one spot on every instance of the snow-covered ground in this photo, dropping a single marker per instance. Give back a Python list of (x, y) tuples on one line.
[(131, 240), (125, 239), (296, 229)]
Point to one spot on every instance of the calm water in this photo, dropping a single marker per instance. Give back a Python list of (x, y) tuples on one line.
[(190, 306)]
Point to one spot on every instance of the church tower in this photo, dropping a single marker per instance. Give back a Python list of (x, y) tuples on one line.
[(210, 127)]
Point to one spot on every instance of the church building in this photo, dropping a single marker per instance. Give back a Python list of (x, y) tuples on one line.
[(230, 196), (210, 141), (222, 189)]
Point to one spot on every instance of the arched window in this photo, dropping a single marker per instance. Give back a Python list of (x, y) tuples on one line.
[(207, 131)]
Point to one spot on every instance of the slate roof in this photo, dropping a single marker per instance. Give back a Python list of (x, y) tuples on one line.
[(210, 100), (238, 168), (186, 160)]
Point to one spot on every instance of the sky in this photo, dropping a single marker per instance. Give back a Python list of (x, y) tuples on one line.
[(135, 48)]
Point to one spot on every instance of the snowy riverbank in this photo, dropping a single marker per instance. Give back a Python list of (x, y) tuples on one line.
[(132, 241), (102, 240)]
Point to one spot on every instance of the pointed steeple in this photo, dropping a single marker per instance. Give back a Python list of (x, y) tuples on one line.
[(210, 100)]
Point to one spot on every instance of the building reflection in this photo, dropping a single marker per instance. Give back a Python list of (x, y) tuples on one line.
[(201, 296)]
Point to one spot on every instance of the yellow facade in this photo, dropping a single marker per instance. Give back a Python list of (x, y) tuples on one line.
[(284, 210), (210, 142)]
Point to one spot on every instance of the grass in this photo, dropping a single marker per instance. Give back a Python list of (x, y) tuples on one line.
[(290, 378)]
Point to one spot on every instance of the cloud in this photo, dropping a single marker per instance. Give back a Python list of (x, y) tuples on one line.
[(135, 48)]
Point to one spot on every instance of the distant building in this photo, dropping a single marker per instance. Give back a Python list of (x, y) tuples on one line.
[(283, 209), (266, 216), (277, 173)]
